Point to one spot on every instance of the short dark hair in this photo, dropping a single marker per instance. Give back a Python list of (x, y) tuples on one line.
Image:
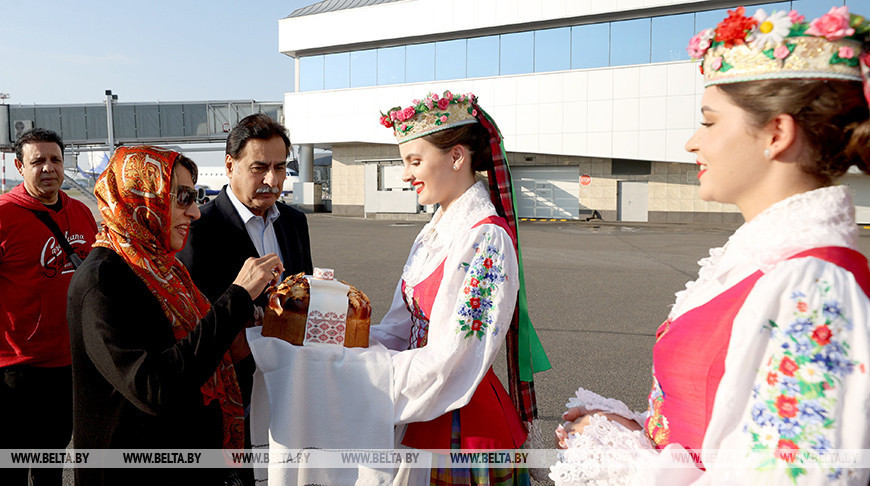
[(258, 126), (188, 164), (35, 135)]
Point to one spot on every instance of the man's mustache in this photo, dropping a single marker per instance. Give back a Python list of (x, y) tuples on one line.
[(268, 190)]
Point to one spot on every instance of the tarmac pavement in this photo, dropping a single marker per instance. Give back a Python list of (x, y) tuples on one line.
[(597, 292)]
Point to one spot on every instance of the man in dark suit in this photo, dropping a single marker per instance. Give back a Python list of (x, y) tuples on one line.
[(247, 220)]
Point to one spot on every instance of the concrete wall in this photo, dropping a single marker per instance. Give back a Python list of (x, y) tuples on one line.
[(605, 112)]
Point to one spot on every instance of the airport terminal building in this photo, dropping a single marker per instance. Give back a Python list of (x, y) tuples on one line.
[(595, 99)]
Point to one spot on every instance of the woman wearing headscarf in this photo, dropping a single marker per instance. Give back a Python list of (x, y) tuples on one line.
[(460, 297), (151, 367), (760, 372)]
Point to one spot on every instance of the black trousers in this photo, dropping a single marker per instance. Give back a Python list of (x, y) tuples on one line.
[(35, 413)]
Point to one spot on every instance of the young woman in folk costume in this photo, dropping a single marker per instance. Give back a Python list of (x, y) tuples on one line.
[(761, 368), (460, 297)]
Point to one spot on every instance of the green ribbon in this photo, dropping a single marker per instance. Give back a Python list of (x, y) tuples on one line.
[(532, 357)]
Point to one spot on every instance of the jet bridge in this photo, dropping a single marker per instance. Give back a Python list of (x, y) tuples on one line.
[(99, 126)]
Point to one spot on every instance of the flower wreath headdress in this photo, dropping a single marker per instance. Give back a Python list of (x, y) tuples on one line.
[(431, 114), (783, 45)]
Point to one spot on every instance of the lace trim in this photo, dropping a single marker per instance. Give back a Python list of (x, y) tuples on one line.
[(593, 401), (823, 217), (436, 237), (606, 453)]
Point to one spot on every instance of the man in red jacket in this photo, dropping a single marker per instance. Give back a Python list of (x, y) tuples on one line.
[(35, 271)]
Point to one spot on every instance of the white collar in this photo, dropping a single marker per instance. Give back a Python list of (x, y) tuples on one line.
[(246, 214), (812, 219), (436, 237), (467, 210)]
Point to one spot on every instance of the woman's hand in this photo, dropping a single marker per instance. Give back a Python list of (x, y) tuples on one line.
[(257, 273), (577, 418)]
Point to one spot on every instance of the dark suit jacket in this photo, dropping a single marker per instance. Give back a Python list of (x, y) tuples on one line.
[(218, 245)]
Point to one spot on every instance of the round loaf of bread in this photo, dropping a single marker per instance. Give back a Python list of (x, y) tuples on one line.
[(287, 312)]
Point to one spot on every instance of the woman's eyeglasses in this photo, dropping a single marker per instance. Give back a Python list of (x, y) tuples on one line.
[(184, 196)]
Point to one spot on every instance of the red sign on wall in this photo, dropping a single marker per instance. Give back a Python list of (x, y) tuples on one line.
[(585, 179)]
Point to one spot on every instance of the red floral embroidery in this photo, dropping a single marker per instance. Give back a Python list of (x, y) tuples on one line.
[(733, 29), (487, 263), (802, 306), (772, 378), (475, 325), (822, 335), (784, 448), (788, 366), (475, 302), (474, 282), (786, 406)]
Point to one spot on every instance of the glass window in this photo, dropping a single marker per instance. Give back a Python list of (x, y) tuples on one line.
[(311, 73), (337, 70), (482, 56), (450, 59), (72, 119), (813, 9), (517, 53), (860, 7), (363, 68), (391, 65), (590, 46), (670, 36), (769, 8), (708, 19), (420, 63), (552, 49), (630, 42), (147, 121)]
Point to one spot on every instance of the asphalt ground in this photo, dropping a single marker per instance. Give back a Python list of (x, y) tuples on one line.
[(597, 292)]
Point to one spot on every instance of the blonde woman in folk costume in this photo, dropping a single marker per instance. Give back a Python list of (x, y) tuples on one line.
[(761, 368), (460, 297)]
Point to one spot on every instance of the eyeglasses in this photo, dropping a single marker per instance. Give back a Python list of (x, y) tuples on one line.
[(184, 196)]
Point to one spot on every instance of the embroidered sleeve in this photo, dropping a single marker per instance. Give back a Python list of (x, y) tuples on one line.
[(795, 401), (467, 326), (485, 274)]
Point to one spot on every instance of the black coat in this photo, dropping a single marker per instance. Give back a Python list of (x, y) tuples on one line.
[(134, 385), (218, 245)]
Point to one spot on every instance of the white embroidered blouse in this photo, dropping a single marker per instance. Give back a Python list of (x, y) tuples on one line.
[(796, 380), (469, 317)]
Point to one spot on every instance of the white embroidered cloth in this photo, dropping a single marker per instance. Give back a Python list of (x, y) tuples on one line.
[(320, 396), (327, 311)]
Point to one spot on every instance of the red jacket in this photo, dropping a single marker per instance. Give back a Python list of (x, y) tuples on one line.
[(35, 275)]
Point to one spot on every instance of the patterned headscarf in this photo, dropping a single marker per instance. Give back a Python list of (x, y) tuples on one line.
[(134, 200)]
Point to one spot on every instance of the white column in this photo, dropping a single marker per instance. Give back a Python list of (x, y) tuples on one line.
[(306, 163)]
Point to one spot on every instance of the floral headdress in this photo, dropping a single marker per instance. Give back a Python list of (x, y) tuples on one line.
[(431, 114), (783, 45)]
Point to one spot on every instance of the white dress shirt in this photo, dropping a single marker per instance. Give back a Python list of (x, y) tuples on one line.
[(260, 229)]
